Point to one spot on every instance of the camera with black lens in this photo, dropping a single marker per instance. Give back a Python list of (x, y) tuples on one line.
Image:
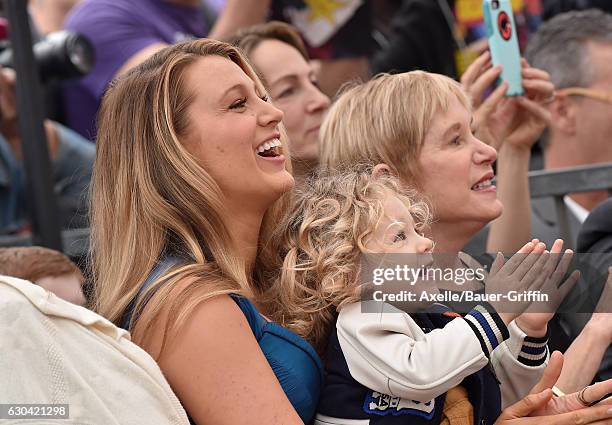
[(60, 55)]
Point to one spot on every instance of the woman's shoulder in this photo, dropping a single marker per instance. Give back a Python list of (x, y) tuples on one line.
[(216, 348), (228, 327), (202, 317), (178, 291)]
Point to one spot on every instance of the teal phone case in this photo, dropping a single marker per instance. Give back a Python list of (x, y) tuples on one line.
[(503, 43)]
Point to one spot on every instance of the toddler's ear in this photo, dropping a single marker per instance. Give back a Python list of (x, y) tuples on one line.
[(381, 170)]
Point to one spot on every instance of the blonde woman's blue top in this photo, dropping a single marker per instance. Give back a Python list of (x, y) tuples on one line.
[(294, 361)]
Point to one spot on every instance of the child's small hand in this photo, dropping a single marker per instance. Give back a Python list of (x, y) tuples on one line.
[(519, 274), (535, 319), (532, 270)]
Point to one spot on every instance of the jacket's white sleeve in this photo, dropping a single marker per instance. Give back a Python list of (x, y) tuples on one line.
[(388, 352), (519, 363)]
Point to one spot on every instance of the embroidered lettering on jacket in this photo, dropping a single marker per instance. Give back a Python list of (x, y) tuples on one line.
[(383, 404)]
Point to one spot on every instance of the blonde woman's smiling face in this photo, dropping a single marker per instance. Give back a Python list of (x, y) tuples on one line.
[(457, 169), (294, 90), (234, 132)]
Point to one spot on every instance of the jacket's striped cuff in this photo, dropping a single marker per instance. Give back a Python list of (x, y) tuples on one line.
[(488, 327), (534, 351)]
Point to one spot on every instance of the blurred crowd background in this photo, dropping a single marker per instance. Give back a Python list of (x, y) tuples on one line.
[(345, 40)]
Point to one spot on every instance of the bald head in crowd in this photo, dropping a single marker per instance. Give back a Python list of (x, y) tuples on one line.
[(45, 267)]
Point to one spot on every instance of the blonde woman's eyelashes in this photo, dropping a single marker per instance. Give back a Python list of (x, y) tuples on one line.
[(240, 103)]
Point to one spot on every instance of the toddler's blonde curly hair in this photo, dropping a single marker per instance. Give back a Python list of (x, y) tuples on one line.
[(321, 240)]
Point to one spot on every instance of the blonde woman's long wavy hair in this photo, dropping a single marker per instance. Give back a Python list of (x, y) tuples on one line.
[(321, 241), (149, 196)]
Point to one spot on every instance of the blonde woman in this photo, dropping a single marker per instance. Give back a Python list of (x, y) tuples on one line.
[(419, 109), (190, 177), (426, 139), (277, 52)]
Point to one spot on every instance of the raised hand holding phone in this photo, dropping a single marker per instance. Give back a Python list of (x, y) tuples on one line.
[(511, 121), (503, 43)]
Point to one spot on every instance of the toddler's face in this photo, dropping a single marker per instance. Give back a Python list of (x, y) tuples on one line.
[(395, 232)]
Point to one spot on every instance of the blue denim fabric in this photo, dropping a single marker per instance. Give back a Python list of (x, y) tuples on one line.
[(72, 169)]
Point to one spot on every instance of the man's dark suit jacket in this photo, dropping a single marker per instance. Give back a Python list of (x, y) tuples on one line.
[(596, 237), (545, 223), (596, 232)]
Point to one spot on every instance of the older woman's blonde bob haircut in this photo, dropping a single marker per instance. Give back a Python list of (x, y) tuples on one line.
[(385, 121), (150, 197)]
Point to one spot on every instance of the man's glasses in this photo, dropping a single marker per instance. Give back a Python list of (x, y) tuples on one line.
[(604, 96)]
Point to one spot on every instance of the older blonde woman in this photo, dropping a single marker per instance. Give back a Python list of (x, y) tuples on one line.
[(427, 140), (418, 126)]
